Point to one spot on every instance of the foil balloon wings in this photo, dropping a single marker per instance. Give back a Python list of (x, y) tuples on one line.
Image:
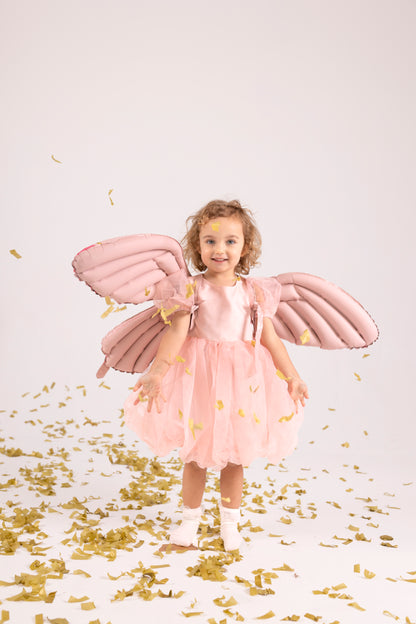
[(129, 269)]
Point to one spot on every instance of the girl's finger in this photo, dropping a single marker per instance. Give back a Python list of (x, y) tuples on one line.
[(149, 405)]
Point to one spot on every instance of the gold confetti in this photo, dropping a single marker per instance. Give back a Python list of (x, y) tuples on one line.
[(227, 500), (56, 160), (109, 195), (281, 375), (266, 616), (305, 337), (15, 253), (396, 617), (366, 355), (107, 311), (256, 418), (357, 376), (190, 289), (215, 226), (39, 618), (346, 445), (180, 413), (193, 426), (286, 418), (187, 371), (192, 613), (87, 606), (179, 358), (146, 291), (241, 413), (331, 409), (356, 606), (219, 404), (369, 574), (357, 568)]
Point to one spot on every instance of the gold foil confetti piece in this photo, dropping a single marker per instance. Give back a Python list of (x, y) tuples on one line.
[(107, 311), (366, 355), (356, 606), (346, 445), (253, 343), (227, 499), (82, 599), (331, 409), (223, 602), (281, 375), (408, 580), (5, 616), (254, 389), (386, 537), (15, 253), (55, 159), (188, 372), (287, 418), (314, 618), (296, 618), (87, 606), (365, 432), (305, 337), (82, 572), (108, 301), (358, 378), (190, 614), (219, 405), (190, 289), (215, 226), (395, 617), (179, 358), (180, 413), (357, 568), (241, 412), (109, 195), (35, 396), (39, 618), (368, 574), (266, 616), (339, 586), (256, 418), (146, 291)]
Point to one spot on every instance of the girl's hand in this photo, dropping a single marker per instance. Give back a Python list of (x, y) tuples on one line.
[(298, 391), (151, 385)]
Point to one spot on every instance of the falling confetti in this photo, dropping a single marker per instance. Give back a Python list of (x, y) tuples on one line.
[(15, 253), (109, 195), (305, 337), (56, 160)]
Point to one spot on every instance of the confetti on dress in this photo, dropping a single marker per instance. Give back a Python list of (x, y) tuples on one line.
[(305, 337)]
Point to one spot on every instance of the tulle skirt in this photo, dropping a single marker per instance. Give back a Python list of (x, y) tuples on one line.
[(225, 403)]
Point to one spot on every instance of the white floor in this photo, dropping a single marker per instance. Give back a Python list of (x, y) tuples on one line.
[(324, 515)]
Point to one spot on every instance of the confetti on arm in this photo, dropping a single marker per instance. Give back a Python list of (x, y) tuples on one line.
[(15, 253)]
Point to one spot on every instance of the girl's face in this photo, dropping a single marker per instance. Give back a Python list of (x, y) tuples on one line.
[(221, 242)]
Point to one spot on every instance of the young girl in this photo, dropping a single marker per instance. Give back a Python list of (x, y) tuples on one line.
[(222, 387)]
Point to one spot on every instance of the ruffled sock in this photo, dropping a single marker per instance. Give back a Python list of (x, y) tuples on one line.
[(185, 533), (229, 527)]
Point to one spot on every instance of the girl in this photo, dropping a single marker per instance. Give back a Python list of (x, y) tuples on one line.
[(212, 389)]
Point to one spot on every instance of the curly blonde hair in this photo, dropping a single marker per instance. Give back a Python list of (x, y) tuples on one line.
[(221, 208)]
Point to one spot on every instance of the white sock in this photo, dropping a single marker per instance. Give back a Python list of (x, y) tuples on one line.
[(229, 527), (185, 533)]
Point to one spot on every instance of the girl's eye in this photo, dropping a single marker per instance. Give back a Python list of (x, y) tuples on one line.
[(231, 241)]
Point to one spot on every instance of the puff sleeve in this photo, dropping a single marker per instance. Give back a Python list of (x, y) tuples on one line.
[(268, 290), (175, 292)]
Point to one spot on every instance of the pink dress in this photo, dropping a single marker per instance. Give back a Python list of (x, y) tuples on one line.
[(225, 402)]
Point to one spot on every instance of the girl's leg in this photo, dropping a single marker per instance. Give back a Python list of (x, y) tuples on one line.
[(231, 485), (193, 485), (231, 482)]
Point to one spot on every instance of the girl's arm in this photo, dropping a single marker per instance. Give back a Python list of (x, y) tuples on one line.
[(296, 387), (170, 345)]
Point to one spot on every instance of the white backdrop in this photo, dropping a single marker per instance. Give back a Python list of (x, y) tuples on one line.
[(304, 111)]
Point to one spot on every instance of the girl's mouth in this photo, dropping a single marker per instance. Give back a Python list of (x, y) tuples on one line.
[(219, 259)]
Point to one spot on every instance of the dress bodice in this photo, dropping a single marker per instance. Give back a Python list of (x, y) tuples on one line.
[(223, 312)]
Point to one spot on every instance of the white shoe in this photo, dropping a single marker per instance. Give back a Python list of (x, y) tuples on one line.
[(229, 527), (185, 534)]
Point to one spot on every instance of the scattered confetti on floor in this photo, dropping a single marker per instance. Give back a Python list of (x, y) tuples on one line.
[(86, 510)]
